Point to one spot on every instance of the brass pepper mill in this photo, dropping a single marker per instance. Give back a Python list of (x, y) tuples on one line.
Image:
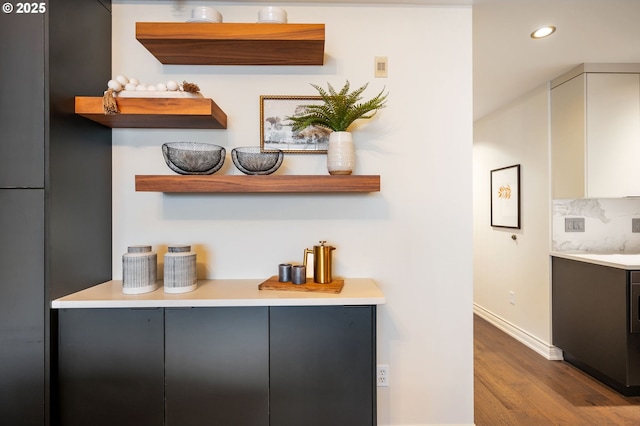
[(321, 262)]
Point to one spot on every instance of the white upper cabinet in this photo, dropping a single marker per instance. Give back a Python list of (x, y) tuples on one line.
[(568, 139), (595, 132), (613, 135)]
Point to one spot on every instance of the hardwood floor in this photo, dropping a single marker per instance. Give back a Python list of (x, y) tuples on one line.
[(516, 386)]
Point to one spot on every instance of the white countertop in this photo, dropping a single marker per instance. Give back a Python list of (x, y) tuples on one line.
[(212, 293), (615, 260)]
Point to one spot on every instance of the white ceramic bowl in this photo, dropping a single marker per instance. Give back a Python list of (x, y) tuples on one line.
[(272, 14), (205, 14)]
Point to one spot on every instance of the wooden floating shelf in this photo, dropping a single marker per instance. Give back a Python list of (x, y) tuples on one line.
[(155, 113), (253, 184), (180, 43)]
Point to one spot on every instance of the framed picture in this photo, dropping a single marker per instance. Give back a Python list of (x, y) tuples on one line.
[(276, 131), (505, 197)]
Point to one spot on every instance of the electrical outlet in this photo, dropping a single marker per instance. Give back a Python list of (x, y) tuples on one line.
[(512, 297), (574, 224), (635, 225), (382, 375)]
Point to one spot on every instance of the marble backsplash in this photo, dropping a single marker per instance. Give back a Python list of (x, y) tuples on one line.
[(607, 225)]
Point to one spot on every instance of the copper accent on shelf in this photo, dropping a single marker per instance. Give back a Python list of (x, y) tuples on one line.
[(272, 283), (321, 262), (180, 43), (158, 113), (254, 184)]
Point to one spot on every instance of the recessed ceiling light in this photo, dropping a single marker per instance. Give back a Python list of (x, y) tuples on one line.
[(543, 32)]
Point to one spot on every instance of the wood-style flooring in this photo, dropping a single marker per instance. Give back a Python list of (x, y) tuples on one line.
[(516, 386)]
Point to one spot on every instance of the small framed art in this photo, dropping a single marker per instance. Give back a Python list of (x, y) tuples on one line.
[(505, 197), (276, 131)]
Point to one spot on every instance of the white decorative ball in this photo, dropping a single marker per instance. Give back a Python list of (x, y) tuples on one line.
[(161, 87), (151, 88), (141, 87), (130, 86), (113, 84), (122, 80), (134, 81), (172, 85)]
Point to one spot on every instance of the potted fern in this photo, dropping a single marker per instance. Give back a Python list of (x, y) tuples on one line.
[(337, 112)]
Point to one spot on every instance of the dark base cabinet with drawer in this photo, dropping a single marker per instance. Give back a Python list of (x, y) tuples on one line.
[(244, 366), (595, 321)]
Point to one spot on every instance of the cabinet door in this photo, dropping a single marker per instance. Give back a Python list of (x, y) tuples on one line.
[(613, 135), (22, 106), (79, 151), (22, 307), (589, 308), (110, 367), (568, 139), (322, 364), (217, 368)]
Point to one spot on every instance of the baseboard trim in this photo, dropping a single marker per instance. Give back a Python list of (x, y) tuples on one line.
[(548, 351)]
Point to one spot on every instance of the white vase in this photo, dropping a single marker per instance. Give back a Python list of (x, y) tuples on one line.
[(340, 154)]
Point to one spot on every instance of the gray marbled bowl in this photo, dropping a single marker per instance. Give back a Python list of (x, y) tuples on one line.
[(193, 158)]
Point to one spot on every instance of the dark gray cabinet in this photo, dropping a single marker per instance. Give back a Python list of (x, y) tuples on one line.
[(22, 329), (591, 321), (78, 153), (322, 362), (111, 367), (217, 366), (236, 366), (22, 103), (55, 187)]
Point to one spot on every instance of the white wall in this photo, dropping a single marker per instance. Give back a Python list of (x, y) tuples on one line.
[(414, 237), (515, 134)]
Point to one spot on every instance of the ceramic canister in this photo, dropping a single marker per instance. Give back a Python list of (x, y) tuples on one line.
[(179, 248), (139, 270), (139, 249), (180, 272)]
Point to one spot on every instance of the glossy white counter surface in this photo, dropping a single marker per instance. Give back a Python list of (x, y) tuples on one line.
[(615, 260), (212, 293)]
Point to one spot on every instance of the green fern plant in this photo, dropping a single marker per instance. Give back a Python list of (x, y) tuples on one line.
[(339, 109)]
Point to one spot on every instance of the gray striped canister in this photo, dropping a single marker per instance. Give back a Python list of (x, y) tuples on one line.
[(139, 270), (139, 249), (180, 272)]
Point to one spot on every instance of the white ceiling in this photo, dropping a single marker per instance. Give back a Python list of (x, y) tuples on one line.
[(507, 63)]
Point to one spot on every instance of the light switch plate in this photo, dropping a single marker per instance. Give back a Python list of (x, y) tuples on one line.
[(381, 64), (574, 224), (635, 225)]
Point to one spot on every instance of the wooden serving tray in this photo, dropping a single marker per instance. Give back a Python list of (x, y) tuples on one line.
[(272, 283)]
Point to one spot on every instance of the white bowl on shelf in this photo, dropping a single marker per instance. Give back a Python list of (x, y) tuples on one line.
[(272, 15), (205, 14)]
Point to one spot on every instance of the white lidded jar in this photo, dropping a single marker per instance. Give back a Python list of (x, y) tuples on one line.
[(139, 270), (180, 274)]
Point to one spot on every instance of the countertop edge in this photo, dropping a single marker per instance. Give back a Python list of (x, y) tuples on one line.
[(221, 293), (614, 260)]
